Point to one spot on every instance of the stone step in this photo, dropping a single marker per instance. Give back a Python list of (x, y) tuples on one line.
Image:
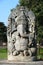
[(6, 62)]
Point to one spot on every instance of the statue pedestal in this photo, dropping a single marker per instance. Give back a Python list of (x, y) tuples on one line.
[(21, 58), (6, 62)]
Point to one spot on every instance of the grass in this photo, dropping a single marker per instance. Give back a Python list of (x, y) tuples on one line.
[(40, 53), (3, 53), (41, 50)]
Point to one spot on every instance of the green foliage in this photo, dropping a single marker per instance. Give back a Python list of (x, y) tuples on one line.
[(37, 7), (3, 31), (24, 2), (39, 33)]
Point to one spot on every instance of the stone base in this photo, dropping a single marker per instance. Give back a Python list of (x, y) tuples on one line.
[(21, 58), (6, 62)]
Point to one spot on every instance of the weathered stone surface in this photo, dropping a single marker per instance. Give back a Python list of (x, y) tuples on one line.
[(21, 44), (21, 34), (6, 62), (26, 53), (15, 53), (33, 50), (30, 53)]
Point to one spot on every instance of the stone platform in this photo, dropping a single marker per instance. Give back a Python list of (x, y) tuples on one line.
[(6, 62), (21, 58)]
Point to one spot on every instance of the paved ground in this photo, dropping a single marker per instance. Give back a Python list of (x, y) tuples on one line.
[(5, 62)]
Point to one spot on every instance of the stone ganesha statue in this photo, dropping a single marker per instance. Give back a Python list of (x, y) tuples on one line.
[(21, 30)]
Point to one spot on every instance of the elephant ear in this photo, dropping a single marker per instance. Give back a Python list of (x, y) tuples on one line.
[(31, 15)]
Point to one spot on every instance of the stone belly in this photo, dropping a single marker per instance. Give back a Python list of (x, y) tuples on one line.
[(21, 44)]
